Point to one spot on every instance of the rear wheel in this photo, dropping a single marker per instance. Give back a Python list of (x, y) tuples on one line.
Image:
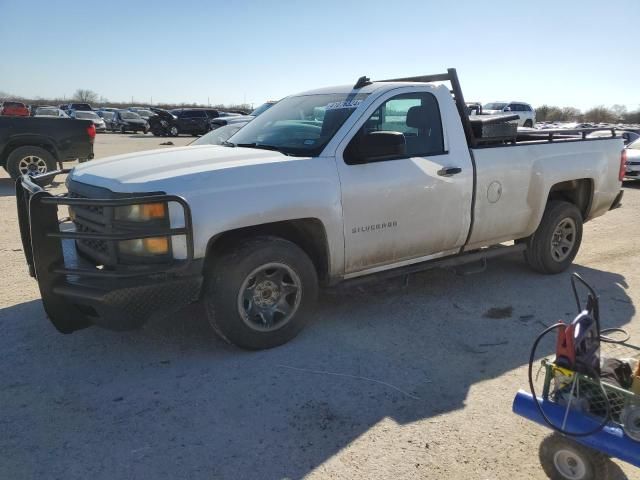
[(564, 459), (259, 294), (30, 161), (173, 131), (554, 245), (122, 129)]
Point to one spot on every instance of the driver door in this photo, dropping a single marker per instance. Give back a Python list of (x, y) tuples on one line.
[(409, 208)]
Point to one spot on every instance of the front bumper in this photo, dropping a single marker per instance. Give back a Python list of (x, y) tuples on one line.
[(75, 292)]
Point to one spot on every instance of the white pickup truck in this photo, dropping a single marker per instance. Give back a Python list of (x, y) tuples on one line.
[(326, 186)]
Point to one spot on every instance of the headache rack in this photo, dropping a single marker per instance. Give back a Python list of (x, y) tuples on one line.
[(484, 130)]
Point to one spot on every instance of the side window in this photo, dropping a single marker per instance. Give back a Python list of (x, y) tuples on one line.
[(415, 115)]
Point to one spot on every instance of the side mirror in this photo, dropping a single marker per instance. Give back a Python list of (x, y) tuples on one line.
[(507, 109), (376, 146)]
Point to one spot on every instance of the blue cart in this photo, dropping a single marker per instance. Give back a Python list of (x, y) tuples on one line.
[(594, 420)]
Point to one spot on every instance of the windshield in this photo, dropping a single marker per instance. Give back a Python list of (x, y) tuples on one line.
[(129, 115), (494, 106), (219, 135), (261, 109), (635, 145), (300, 125), (86, 115), (144, 113), (107, 115)]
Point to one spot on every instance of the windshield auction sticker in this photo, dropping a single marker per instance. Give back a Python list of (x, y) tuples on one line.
[(343, 104)]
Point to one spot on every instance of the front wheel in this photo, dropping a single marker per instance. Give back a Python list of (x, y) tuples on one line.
[(173, 131), (528, 124), (123, 130), (564, 459), (554, 245), (260, 293)]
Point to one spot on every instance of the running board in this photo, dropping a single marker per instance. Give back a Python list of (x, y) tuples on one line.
[(451, 261)]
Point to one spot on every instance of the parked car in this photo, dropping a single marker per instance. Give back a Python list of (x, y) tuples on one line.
[(144, 113), (107, 116), (163, 123), (220, 135), (632, 160), (525, 111), (95, 118), (34, 146), (387, 180), (227, 120), (54, 112), (14, 109), (68, 107), (194, 121), (125, 121)]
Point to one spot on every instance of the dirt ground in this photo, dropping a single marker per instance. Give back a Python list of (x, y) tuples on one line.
[(390, 381)]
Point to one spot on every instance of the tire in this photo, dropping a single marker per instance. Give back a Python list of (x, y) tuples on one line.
[(564, 459), (245, 283), (553, 246), (173, 131), (528, 124), (123, 130), (30, 160)]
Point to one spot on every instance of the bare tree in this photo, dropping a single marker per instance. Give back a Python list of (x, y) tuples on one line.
[(619, 111), (599, 114), (86, 96)]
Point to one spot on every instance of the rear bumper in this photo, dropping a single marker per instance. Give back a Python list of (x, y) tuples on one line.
[(75, 293)]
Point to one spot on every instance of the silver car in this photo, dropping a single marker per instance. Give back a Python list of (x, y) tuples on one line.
[(632, 166), (97, 121)]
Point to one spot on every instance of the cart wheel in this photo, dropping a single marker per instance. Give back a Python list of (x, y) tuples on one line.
[(564, 459)]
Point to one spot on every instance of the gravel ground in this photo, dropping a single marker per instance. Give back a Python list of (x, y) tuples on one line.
[(391, 380)]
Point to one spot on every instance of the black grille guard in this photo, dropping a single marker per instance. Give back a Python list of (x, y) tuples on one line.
[(43, 239)]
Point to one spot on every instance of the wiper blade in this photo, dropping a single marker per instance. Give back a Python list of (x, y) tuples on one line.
[(261, 146), (227, 143)]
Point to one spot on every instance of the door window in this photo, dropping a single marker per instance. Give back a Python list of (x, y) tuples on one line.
[(416, 116)]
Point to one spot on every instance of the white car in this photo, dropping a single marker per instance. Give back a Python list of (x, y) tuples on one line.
[(525, 111), (50, 112), (632, 165)]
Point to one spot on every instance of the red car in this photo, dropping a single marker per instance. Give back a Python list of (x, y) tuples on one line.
[(14, 109)]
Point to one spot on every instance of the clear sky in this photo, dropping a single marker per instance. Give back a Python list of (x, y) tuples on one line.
[(568, 53)]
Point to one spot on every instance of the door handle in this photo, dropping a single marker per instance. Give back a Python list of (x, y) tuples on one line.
[(449, 171)]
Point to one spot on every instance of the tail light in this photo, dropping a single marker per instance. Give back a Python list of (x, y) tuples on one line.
[(623, 165), (91, 131)]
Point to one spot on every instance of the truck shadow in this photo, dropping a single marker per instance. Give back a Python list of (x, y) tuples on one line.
[(172, 401)]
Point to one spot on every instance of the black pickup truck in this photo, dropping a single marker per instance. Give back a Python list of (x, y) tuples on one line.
[(35, 146)]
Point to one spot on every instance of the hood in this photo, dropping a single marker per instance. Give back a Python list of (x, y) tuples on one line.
[(157, 170)]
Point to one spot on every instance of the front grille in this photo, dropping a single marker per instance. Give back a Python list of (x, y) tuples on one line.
[(93, 219)]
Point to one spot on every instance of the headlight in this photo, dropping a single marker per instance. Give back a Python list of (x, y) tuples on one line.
[(142, 212), (145, 246)]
